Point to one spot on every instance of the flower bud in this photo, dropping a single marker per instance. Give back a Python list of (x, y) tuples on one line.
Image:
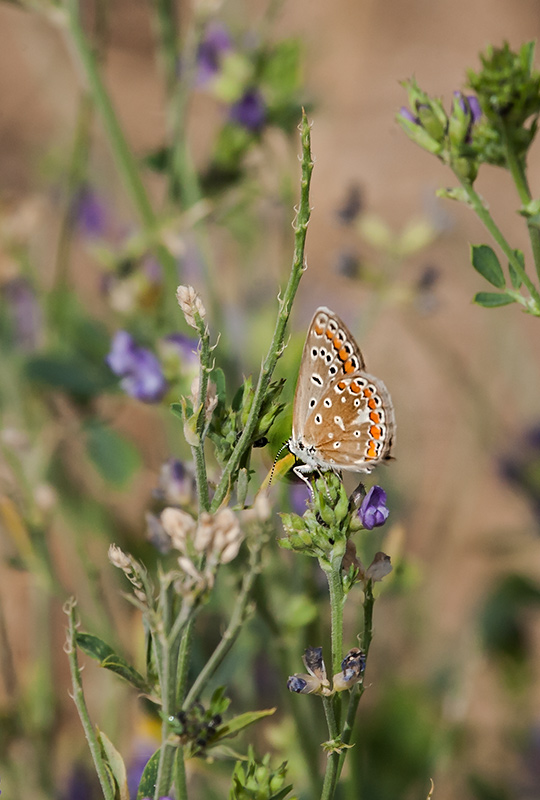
[(379, 567), (118, 558), (303, 684), (190, 304), (179, 525)]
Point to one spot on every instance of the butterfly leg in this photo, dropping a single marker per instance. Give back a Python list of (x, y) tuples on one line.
[(302, 471)]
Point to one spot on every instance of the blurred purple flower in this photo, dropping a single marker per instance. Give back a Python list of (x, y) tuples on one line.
[(177, 485), (90, 213), (81, 784), (139, 369), (250, 110), (213, 46), (373, 512), (469, 105), (144, 751), (299, 496), (24, 311), (184, 347)]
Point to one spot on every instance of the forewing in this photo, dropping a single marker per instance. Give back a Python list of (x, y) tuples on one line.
[(330, 353)]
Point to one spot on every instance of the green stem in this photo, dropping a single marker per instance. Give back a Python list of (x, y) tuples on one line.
[(332, 765), (278, 339), (478, 205), (200, 409), (516, 167), (180, 781), (80, 703), (124, 159), (238, 617), (359, 689)]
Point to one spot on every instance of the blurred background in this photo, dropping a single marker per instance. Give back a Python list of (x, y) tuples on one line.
[(455, 666)]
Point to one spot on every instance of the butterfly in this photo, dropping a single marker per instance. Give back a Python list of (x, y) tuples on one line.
[(343, 418)]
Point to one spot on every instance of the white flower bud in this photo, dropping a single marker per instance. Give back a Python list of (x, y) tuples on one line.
[(118, 558), (190, 302), (179, 525), (205, 533)]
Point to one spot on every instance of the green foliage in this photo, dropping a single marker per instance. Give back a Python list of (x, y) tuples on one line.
[(116, 458), (256, 780), (503, 621), (508, 89), (96, 648), (147, 784), (493, 299), (485, 261)]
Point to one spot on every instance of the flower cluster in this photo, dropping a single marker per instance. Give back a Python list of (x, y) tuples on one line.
[(448, 136), (316, 682), (216, 537)]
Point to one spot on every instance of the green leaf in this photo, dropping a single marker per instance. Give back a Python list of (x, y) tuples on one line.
[(485, 261), (116, 766), (96, 648), (514, 277), (147, 785), (492, 299), (281, 74), (115, 457), (69, 373), (236, 724)]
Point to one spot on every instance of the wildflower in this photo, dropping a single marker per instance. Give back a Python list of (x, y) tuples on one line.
[(180, 526), (314, 663), (90, 213), (212, 48), (190, 304), (303, 684), (352, 670), (179, 355), (176, 483), (250, 110), (138, 367), (373, 512), (379, 567), (299, 497)]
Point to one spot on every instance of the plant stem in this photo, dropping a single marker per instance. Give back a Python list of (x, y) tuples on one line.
[(332, 765), (517, 171), (124, 159), (278, 339), (236, 622), (200, 409), (80, 703), (359, 689), (478, 205)]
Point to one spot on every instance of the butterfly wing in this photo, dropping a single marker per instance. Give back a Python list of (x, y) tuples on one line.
[(343, 418), (355, 427), (329, 352)]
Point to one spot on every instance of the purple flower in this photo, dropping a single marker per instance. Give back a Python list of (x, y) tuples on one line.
[(408, 115), (214, 45), (144, 750), (80, 785), (25, 313), (183, 346), (250, 110), (90, 213), (299, 496), (139, 369), (177, 485), (373, 512)]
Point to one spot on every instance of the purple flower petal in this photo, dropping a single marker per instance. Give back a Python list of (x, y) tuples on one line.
[(214, 45), (90, 213), (373, 512), (250, 110), (140, 370), (408, 115)]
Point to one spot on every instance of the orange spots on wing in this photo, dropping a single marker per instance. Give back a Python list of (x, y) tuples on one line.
[(372, 450), (374, 416), (343, 354), (329, 334), (348, 367), (338, 342), (318, 329), (341, 385), (367, 392), (355, 387), (372, 403), (375, 432)]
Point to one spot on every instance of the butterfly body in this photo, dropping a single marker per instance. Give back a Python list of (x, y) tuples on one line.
[(343, 417)]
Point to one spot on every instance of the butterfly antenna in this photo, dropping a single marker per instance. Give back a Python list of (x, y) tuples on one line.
[(276, 459)]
